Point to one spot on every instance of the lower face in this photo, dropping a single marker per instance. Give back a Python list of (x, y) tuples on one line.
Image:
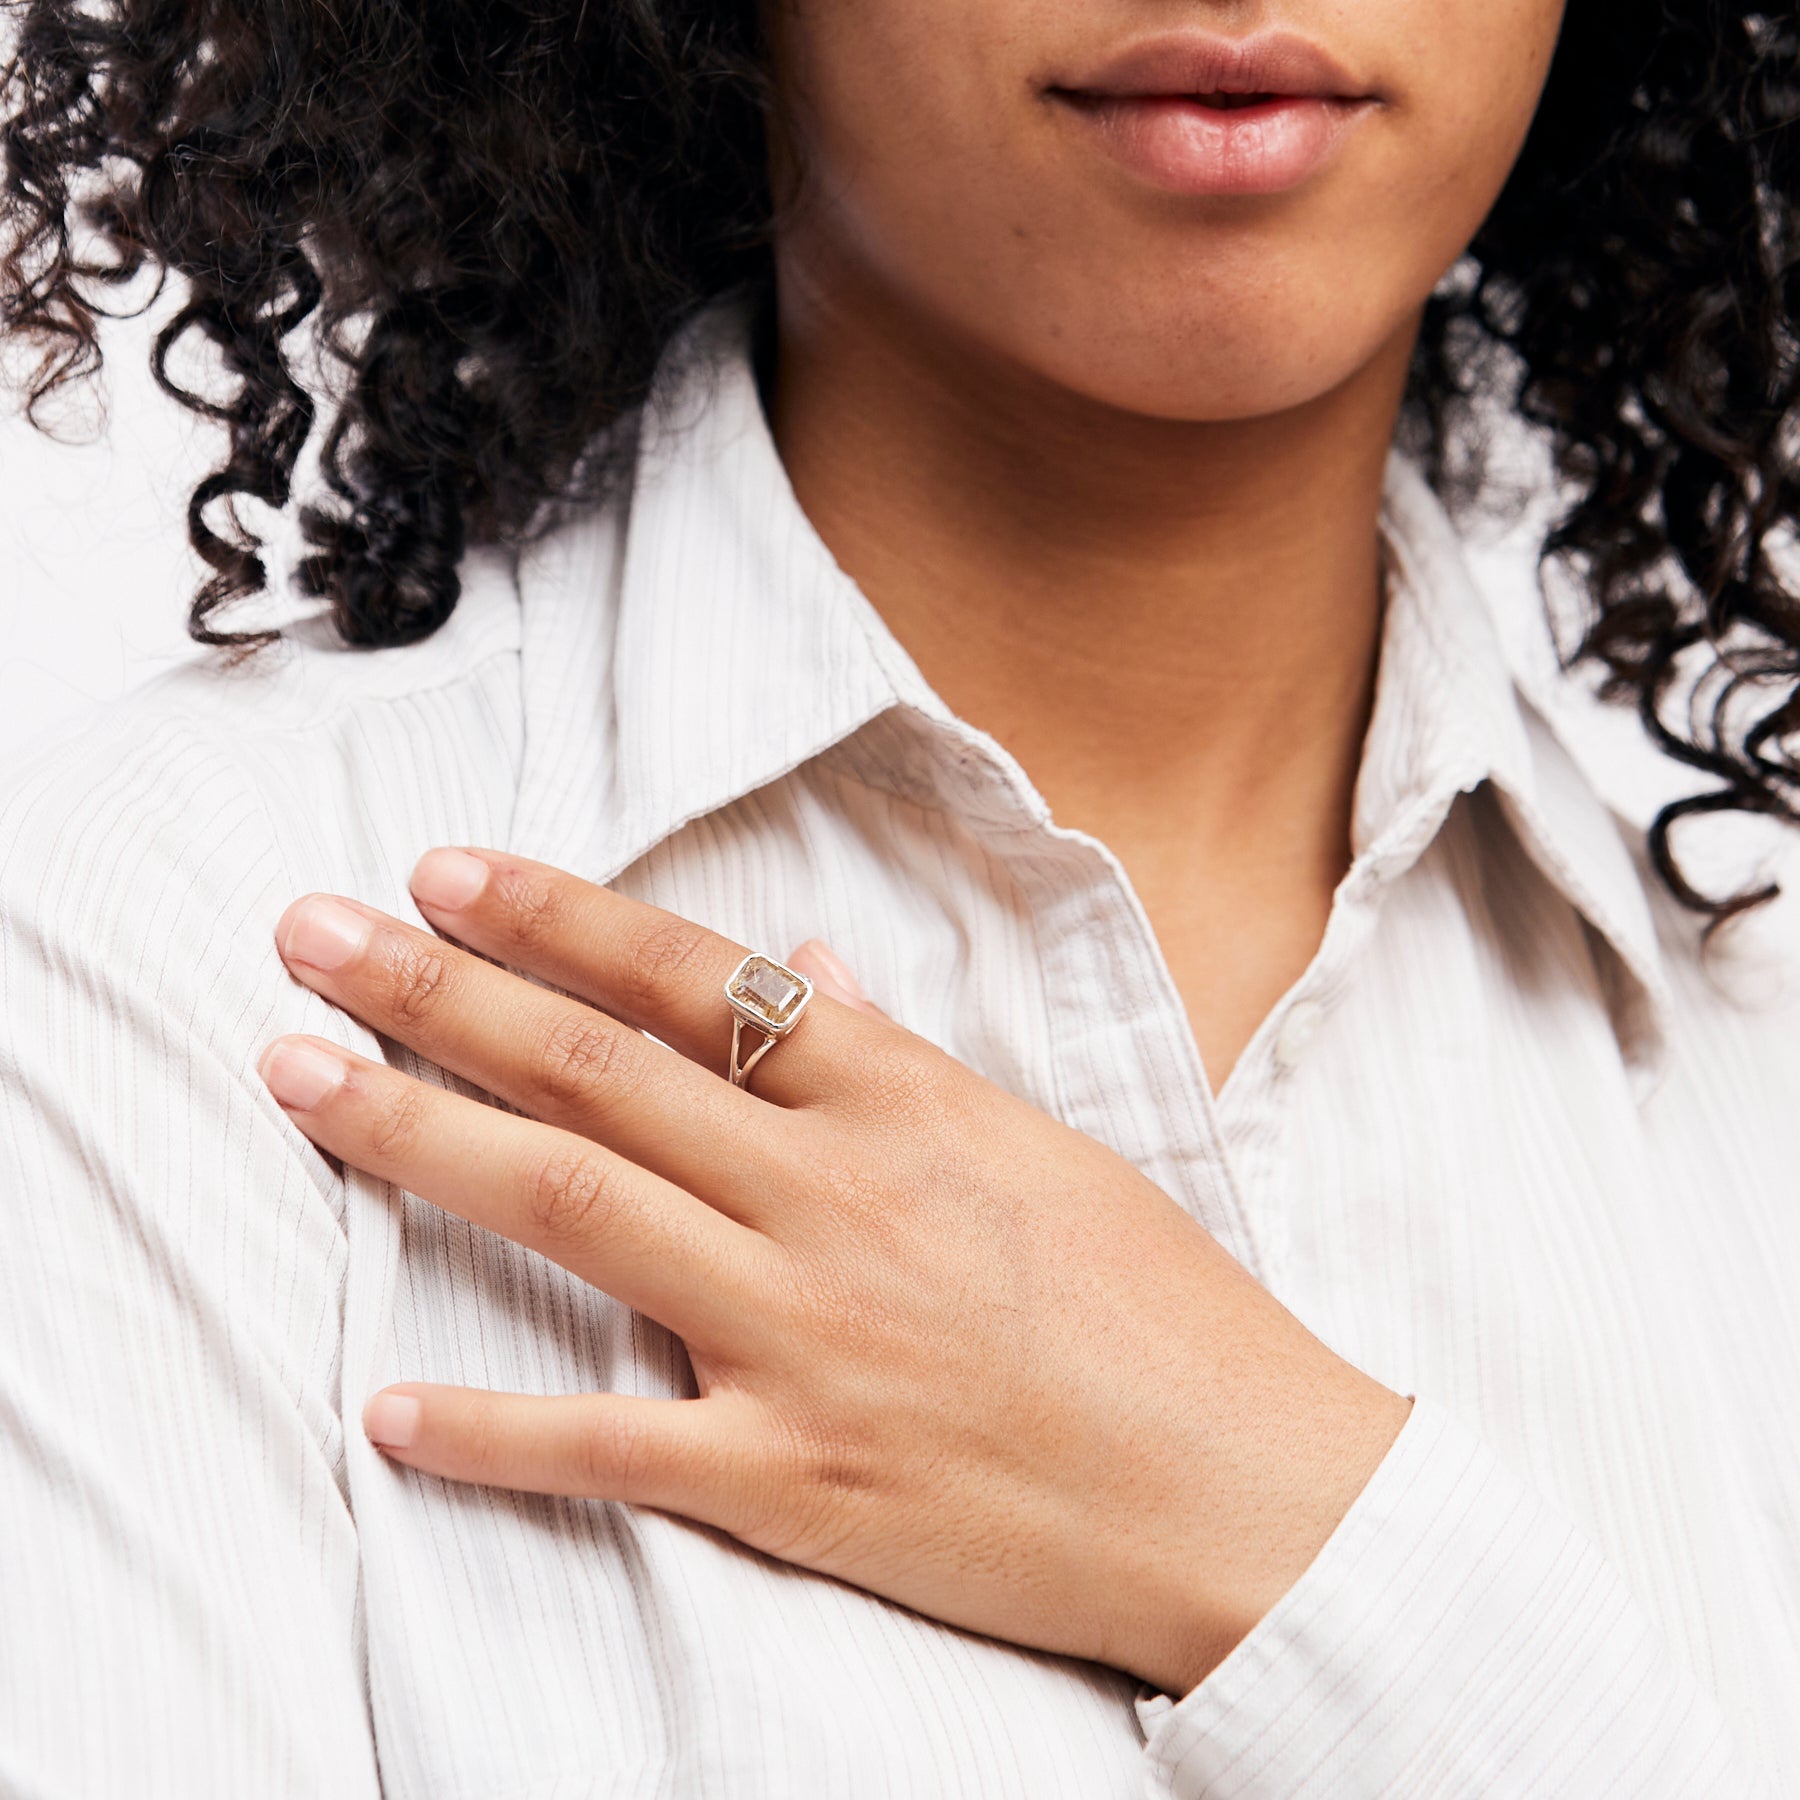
[(1202, 211)]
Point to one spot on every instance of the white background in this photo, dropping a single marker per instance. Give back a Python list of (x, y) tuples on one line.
[(95, 573)]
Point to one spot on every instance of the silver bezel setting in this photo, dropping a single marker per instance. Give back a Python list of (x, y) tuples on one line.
[(751, 1011)]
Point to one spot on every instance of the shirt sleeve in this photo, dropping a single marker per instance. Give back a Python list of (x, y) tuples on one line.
[(179, 1608), (1456, 1636)]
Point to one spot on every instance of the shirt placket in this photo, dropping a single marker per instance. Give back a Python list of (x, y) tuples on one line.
[(1123, 1062)]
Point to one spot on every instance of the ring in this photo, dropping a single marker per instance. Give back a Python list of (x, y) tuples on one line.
[(769, 998)]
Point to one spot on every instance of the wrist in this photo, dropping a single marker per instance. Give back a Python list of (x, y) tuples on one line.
[(1252, 1535)]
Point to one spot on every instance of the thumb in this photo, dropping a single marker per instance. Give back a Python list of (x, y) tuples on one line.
[(830, 974)]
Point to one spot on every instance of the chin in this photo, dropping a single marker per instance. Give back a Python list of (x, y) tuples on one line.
[(1212, 337), (1201, 397), (1210, 371)]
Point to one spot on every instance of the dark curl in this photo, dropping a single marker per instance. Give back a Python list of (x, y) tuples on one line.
[(497, 212)]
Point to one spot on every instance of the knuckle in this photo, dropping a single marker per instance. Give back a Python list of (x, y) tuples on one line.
[(615, 1452), (659, 959), (831, 1464), (479, 1439), (534, 909), (398, 1122), (574, 1196), (580, 1058), (802, 1504), (840, 1466), (420, 983), (846, 1188), (909, 1084)]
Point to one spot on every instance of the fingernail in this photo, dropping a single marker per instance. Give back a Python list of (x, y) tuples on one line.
[(302, 1074), (449, 879), (392, 1420), (324, 935), (835, 970)]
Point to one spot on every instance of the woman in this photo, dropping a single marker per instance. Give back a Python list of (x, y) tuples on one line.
[(1284, 1287)]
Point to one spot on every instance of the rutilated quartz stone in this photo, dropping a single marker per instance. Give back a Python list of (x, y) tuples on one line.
[(770, 989)]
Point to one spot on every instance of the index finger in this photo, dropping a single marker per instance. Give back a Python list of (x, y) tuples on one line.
[(649, 968)]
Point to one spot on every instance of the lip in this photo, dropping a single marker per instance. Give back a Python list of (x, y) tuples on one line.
[(1296, 103)]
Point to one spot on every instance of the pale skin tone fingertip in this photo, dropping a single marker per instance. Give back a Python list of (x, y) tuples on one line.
[(302, 1073), (449, 880), (831, 975), (391, 1419), (321, 932)]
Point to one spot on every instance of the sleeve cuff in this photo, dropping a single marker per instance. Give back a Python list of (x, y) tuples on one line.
[(1455, 1635)]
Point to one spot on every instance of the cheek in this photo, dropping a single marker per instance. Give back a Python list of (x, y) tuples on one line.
[(1478, 69), (904, 114), (1361, 259)]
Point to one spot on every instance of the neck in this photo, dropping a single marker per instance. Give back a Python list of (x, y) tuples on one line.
[(1146, 612), (1172, 626)]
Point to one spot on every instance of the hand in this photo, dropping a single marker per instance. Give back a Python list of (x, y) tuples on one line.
[(946, 1348)]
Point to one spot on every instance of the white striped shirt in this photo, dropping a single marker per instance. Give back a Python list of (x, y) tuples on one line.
[(1506, 1145)]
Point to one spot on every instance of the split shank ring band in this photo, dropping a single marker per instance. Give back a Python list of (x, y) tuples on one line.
[(767, 1000)]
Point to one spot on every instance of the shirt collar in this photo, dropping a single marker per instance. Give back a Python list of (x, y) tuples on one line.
[(697, 641), (1450, 715), (734, 648)]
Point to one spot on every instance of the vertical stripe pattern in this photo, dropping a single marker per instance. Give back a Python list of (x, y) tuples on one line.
[(1508, 1144)]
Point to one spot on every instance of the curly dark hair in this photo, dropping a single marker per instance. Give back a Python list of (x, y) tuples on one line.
[(498, 212)]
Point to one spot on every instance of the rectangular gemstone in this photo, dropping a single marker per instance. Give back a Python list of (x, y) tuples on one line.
[(769, 988)]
